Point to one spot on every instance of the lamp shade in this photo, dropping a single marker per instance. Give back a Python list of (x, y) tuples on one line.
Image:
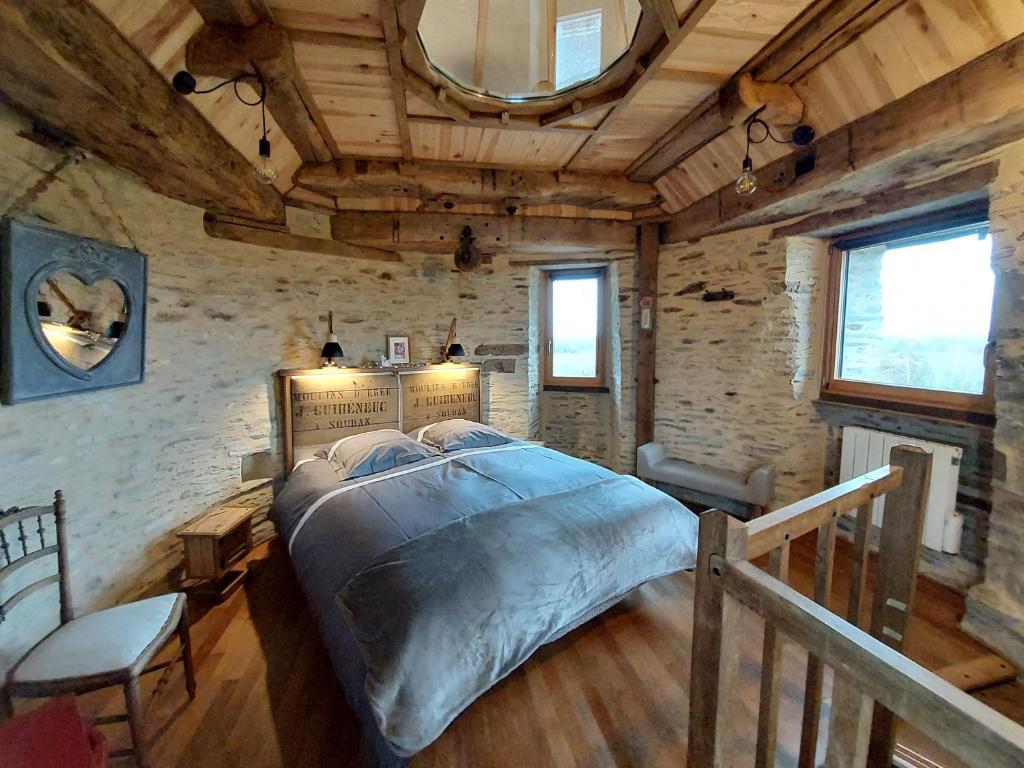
[(455, 349), (332, 349)]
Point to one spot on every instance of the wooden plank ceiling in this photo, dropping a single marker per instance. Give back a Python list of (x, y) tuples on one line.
[(342, 49), (729, 33), (918, 42)]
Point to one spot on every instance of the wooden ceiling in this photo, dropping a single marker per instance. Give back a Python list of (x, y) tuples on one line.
[(842, 58), (916, 43)]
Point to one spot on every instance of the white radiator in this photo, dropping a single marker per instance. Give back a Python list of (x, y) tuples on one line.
[(867, 449)]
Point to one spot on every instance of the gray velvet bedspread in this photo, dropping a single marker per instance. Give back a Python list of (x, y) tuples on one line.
[(451, 571), (443, 617)]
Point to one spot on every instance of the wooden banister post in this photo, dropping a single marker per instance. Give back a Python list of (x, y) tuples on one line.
[(850, 721), (771, 664), (715, 652), (899, 551), (824, 561)]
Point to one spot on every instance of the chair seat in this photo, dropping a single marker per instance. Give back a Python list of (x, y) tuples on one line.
[(102, 643)]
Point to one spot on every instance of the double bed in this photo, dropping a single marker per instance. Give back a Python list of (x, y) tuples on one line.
[(434, 576)]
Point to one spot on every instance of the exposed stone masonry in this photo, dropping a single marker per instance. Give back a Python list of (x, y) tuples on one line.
[(137, 463), (737, 377)]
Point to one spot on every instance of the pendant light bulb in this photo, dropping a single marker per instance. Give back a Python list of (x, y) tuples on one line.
[(263, 170), (746, 184)]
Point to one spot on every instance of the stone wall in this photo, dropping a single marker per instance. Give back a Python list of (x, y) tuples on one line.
[(738, 381), (136, 463), (995, 609), (737, 377)]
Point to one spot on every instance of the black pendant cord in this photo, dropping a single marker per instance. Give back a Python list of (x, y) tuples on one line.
[(263, 109), (797, 139), (234, 82), (184, 82), (260, 102)]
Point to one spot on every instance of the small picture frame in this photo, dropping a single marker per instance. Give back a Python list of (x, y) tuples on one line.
[(398, 350)]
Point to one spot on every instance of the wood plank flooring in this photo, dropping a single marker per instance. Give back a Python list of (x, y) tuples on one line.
[(612, 693)]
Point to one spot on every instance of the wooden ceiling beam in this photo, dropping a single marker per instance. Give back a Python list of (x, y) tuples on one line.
[(505, 122), (439, 232), (727, 108), (227, 51), (897, 202), (821, 30), (665, 11), (245, 13), (437, 96), (458, 184), (393, 46), (579, 107), (972, 110), (66, 65), (243, 231), (647, 70)]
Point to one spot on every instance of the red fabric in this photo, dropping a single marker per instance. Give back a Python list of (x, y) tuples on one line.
[(99, 748), (52, 736)]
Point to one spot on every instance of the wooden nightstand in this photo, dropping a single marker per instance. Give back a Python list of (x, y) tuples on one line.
[(213, 543)]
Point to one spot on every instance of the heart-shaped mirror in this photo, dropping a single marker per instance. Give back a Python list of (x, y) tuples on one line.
[(81, 322)]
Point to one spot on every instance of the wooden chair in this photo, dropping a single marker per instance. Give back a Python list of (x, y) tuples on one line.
[(106, 648)]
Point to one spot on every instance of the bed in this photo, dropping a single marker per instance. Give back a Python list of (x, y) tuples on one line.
[(433, 579)]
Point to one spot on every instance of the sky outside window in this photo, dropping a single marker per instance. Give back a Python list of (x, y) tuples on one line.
[(574, 322), (918, 315)]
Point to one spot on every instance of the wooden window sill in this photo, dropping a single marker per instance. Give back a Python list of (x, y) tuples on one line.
[(915, 409)]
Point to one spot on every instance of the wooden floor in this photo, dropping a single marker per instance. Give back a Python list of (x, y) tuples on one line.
[(612, 693)]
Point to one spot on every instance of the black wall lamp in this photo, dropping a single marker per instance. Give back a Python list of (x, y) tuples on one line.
[(452, 347), (184, 82), (332, 351), (802, 135)]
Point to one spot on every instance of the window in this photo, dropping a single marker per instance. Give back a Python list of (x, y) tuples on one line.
[(577, 48), (909, 317), (574, 328)]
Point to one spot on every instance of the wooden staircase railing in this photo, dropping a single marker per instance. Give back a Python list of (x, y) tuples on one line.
[(874, 682)]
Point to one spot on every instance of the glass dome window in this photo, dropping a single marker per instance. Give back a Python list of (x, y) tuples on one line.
[(518, 50)]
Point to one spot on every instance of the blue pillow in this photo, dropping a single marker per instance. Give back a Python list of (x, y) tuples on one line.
[(377, 451), (459, 434)]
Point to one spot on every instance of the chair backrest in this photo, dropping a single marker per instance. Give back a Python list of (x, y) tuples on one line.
[(20, 529)]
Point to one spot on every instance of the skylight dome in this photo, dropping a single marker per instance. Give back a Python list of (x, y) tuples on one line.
[(519, 50)]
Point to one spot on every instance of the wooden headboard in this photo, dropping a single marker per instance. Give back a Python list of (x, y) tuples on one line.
[(322, 405)]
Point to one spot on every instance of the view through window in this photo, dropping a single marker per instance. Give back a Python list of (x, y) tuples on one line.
[(574, 327), (915, 312), (578, 48)]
